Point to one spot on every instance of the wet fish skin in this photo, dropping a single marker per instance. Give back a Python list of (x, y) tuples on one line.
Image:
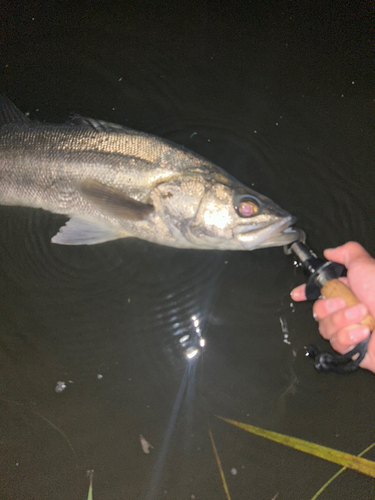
[(114, 182)]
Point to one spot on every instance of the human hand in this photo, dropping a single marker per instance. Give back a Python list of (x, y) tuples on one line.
[(338, 323)]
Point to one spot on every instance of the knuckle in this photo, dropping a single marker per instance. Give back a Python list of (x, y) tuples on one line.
[(337, 320), (323, 329), (318, 309)]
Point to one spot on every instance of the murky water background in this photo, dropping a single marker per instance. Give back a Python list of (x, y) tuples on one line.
[(281, 97)]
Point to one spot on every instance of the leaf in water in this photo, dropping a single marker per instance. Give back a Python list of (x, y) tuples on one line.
[(337, 457)]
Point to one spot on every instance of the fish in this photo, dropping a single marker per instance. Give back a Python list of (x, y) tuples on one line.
[(114, 182)]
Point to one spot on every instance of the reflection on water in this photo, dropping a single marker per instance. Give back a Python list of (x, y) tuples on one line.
[(186, 389), (279, 95), (194, 342)]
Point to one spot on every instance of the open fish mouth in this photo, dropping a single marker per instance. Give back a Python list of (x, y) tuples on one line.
[(276, 234)]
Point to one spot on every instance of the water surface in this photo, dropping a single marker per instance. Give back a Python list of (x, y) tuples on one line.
[(280, 96)]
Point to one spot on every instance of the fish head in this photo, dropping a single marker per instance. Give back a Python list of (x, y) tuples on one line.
[(218, 212)]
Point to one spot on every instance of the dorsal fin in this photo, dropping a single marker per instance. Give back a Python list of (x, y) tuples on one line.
[(98, 125), (9, 113)]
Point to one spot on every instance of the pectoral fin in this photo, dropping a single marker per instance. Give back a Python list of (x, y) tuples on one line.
[(82, 232), (115, 202)]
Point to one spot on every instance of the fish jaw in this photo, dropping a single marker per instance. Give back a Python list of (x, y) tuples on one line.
[(276, 234)]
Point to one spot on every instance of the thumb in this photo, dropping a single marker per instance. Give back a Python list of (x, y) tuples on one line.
[(347, 254)]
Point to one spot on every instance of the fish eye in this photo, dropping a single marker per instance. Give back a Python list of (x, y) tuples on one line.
[(246, 206)]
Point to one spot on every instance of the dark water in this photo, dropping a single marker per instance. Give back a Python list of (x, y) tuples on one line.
[(280, 95)]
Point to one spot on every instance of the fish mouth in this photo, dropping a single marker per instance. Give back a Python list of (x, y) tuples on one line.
[(276, 234)]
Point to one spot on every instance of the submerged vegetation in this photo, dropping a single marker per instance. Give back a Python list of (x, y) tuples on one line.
[(348, 461), (90, 473)]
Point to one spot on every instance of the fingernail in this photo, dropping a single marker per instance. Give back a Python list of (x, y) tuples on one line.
[(358, 334), (294, 294), (334, 304), (356, 313)]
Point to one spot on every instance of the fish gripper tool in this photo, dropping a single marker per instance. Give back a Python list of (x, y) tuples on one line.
[(322, 280)]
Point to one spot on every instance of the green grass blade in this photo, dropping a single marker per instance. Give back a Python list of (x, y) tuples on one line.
[(337, 457), (218, 461), (330, 480), (89, 496)]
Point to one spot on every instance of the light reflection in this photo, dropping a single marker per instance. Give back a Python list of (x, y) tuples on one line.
[(194, 342), (214, 216), (191, 353)]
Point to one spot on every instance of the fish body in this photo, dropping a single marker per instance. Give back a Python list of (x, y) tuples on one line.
[(114, 182)]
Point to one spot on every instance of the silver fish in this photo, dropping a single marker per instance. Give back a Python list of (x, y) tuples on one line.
[(114, 182)]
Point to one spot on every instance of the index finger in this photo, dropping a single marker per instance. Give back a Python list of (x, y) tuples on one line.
[(346, 254), (298, 294)]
